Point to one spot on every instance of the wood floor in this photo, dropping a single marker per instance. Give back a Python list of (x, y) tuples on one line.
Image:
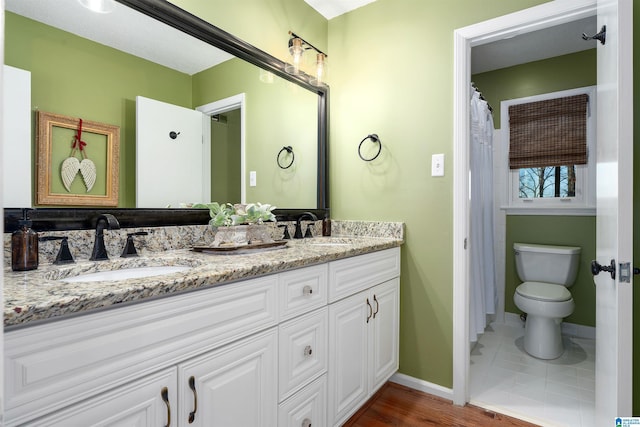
[(396, 405)]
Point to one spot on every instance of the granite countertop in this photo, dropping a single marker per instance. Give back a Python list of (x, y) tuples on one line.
[(39, 295)]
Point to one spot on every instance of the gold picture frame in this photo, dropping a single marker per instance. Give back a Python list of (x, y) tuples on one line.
[(56, 142)]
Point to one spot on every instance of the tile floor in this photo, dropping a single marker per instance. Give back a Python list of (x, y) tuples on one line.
[(504, 378)]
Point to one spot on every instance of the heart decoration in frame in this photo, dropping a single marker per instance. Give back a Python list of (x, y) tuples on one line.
[(71, 166)]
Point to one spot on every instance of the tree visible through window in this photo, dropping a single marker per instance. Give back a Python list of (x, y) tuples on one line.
[(550, 181)]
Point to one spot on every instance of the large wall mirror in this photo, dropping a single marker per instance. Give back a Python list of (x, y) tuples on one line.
[(100, 81)]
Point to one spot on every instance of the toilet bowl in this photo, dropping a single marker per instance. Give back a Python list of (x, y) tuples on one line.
[(547, 271)]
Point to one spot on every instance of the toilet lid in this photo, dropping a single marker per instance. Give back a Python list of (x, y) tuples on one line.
[(543, 291)]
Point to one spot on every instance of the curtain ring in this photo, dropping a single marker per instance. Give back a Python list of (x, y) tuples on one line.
[(373, 137), (289, 150)]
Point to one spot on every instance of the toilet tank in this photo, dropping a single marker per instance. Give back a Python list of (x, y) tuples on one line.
[(546, 263)]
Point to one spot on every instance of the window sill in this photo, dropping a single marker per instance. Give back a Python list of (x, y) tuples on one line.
[(549, 210)]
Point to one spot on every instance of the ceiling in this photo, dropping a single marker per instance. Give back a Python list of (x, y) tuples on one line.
[(533, 46), (332, 8), (120, 29), (166, 46)]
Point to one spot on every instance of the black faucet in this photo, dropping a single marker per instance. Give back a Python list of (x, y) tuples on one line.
[(298, 233), (109, 222)]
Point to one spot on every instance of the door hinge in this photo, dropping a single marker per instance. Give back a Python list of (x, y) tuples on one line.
[(465, 243)]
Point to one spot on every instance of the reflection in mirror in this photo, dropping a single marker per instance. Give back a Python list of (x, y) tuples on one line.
[(78, 77)]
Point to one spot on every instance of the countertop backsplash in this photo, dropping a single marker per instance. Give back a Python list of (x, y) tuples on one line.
[(161, 239)]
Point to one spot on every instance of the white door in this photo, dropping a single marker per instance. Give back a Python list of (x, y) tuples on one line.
[(171, 168), (614, 226), (234, 386)]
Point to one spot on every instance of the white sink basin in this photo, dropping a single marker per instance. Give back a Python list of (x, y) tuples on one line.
[(126, 273)]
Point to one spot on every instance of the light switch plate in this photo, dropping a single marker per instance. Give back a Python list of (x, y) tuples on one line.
[(252, 178), (437, 165)]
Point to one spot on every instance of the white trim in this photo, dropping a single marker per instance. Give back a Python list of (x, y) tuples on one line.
[(527, 20), (540, 210), (222, 106), (422, 385)]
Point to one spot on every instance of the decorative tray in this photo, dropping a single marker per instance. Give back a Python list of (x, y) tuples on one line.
[(242, 249)]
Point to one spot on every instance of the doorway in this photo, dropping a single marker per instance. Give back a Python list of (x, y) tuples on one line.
[(477, 35), (614, 155), (222, 112)]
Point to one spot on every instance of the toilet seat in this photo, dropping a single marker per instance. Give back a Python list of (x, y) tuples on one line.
[(540, 291)]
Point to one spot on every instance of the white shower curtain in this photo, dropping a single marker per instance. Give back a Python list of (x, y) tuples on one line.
[(482, 292)]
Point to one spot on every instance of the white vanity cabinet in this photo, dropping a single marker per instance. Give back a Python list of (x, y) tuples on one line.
[(363, 330), (58, 364), (299, 348), (231, 386)]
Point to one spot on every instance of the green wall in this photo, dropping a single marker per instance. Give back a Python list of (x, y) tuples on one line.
[(270, 109), (555, 230), (538, 77), (79, 78), (392, 74), (549, 75)]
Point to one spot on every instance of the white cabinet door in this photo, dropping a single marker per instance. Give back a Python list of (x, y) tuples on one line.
[(383, 359), (348, 373), (148, 402), (363, 331), (235, 386)]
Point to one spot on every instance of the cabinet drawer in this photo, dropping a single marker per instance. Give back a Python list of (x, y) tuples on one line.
[(302, 351), (351, 275), (302, 291), (307, 407), (59, 363)]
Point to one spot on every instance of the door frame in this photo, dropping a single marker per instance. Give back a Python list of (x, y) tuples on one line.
[(218, 107), (532, 19)]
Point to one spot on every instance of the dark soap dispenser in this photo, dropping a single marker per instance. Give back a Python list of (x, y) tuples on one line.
[(24, 246)]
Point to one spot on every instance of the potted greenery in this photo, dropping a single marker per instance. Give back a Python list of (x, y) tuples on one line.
[(239, 224)]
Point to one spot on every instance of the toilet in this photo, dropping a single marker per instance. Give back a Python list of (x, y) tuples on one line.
[(546, 271)]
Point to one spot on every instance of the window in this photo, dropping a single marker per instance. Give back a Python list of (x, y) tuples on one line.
[(550, 151)]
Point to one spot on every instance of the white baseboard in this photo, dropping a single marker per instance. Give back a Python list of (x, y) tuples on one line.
[(569, 329), (422, 385)]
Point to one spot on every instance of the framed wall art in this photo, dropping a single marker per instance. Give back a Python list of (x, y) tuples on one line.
[(77, 161)]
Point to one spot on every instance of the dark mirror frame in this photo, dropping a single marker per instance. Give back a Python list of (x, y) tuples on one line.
[(45, 219)]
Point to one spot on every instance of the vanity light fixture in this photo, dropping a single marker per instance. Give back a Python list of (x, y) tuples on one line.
[(297, 46), (320, 73), (99, 6)]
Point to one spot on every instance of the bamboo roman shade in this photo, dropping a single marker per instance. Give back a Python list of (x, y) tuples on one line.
[(548, 133)]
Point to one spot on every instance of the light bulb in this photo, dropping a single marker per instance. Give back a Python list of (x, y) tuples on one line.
[(296, 51), (320, 71)]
